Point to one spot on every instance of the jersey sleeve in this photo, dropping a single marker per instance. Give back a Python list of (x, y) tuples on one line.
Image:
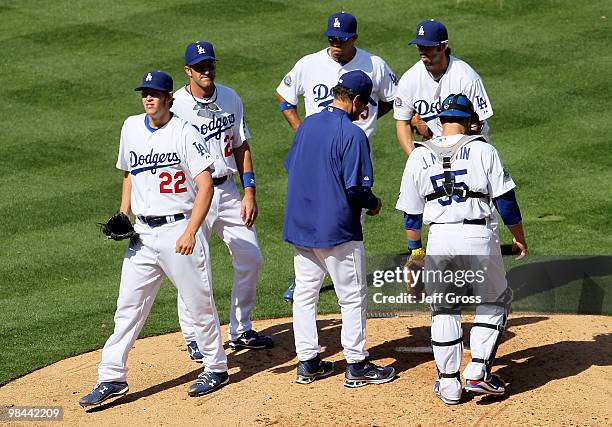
[(195, 152), (500, 181), (402, 108), (480, 99), (291, 87), (123, 157), (357, 168), (388, 84), (241, 131), (410, 201)]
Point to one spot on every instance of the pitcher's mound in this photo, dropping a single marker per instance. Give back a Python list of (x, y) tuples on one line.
[(558, 368)]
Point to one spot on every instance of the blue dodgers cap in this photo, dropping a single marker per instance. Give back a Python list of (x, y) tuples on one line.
[(341, 24), (198, 52), (359, 82), (457, 106), (157, 80), (430, 33)]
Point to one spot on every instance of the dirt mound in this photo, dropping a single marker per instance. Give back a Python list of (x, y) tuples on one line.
[(558, 368)]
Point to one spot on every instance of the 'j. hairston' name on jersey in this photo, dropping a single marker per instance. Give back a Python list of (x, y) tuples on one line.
[(463, 154), (152, 161), (216, 126)]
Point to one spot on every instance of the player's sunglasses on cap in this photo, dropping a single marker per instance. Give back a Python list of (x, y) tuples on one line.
[(337, 39), (341, 25), (457, 105), (430, 33), (198, 52), (359, 82), (157, 80)]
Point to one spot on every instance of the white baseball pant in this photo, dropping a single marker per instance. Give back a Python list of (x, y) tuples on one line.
[(224, 219), (468, 239), (345, 264), (144, 267)]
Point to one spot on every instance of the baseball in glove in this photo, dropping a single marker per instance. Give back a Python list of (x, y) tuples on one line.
[(420, 127), (119, 227)]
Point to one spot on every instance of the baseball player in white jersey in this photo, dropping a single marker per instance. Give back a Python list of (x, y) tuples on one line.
[(314, 75), (435, 76), (167, 184), (216, 111), (454, 183)]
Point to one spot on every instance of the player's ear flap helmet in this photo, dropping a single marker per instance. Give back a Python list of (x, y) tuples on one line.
[(458, 106)]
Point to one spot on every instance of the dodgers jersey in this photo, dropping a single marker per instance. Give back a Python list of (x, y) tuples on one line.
[(476, 165), (316, 74), (418, 92), (222, 127), (162, 164)]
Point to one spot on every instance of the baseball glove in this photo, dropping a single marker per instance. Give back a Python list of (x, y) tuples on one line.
[(119, 227), (414, 279), (420, 127)]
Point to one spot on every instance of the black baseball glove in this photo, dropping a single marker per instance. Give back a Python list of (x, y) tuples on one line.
[(119, 227)]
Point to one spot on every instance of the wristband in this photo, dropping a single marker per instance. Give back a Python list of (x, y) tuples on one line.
[(414, 244), (248, 179), (282, 106), (417, 253)]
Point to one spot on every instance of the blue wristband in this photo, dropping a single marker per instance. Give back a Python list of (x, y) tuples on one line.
[(248, 179), (282, 106), (414, 244)]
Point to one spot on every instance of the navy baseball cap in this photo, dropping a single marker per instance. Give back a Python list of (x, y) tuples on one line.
[(430, 33), (341, 24), (457, 106), (157, 80), (198, 52), (359, 82)]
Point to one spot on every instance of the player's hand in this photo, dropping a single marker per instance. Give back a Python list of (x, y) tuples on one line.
[(518, 245), (185, 243), (248, 207), (376, 210)]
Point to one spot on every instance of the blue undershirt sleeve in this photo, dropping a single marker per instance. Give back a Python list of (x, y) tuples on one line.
[(508, 208), (362, 197)]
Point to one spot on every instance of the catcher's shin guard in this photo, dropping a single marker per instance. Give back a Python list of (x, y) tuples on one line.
[(485, 337), (447, 344)]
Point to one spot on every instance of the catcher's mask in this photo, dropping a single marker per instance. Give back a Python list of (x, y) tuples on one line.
[(460, 107)]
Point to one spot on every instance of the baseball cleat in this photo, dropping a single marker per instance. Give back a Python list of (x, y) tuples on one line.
[(194, 352), (288, 295), (102, 392), (493, 385), (448, 401), (252, 339), (365, 372), (312, 369), (207, 383)]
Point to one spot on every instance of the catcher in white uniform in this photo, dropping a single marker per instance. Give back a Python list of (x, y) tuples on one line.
[(314, 76), (167, 184), (216, 111), (454, 183), (435, 76)]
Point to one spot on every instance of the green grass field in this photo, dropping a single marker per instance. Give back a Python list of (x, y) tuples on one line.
[(67, 71)]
